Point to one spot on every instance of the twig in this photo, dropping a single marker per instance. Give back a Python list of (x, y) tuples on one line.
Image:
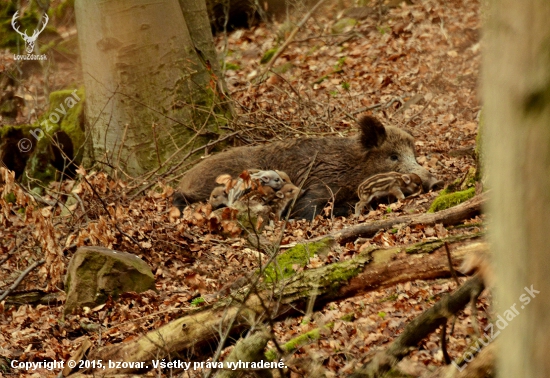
[(111, 216), (20, 278), (449, 258), (446, 356), (386, 104), (257, 277), (177, 166), (289, 39), (420, 112), (14, 249)]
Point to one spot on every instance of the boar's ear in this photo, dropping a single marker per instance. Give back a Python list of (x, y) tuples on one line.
[(406, 179), (373, 133)]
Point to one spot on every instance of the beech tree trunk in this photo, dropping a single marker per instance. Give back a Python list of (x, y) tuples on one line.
[(152, 90), (516, 91)]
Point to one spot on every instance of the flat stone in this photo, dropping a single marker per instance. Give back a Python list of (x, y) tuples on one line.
[(95, 273)]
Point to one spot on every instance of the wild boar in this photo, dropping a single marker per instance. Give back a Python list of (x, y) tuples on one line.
[(218, 197), (397, 185), (269, 178), (338, 166), (254, 177), (282, 199)]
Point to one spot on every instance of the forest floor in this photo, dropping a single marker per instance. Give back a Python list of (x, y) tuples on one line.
[(413, 66)]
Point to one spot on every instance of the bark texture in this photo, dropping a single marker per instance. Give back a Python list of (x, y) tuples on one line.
[(149, 91), (516, 91)]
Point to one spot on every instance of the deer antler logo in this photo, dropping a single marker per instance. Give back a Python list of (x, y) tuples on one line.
[(29, 40)]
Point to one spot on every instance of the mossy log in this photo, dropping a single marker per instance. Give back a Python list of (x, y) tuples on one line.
[(193, 334)]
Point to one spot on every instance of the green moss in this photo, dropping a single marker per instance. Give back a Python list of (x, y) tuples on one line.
[(348, 317), (284, 265), (425, 247), (64, 114), (298, 342), (343, 25), (231, 66), (342, 272), (445, 201), (71, 121), (197, 302), (10, 197), (392, 297), (306, 338), (268, 55)]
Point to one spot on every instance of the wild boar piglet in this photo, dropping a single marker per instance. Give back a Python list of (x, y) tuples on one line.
[(397, 185), (218, 198), (283, 198)]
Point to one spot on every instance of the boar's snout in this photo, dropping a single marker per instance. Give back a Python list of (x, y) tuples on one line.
[(429, 181), (432, 183)]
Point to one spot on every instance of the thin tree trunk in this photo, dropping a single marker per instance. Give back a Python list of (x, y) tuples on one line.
[(516, 91)]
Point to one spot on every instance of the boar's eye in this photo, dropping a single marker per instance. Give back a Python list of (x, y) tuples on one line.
[(394, 157)]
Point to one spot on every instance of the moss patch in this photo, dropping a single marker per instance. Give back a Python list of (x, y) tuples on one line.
[(68, 105), (343, 25), (315, 334), (447, 200), (268, 55), (231, 66), (285, 264), (63, 117)]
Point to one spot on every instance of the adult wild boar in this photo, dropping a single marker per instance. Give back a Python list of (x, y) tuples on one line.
[(340, 165)]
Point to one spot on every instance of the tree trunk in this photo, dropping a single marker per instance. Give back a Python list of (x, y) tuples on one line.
[(516, 91), (150, 93)]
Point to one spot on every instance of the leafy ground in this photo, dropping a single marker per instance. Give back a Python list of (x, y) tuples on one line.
[(415, 66)]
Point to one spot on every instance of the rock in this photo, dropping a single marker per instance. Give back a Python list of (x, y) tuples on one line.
[(95, 273)]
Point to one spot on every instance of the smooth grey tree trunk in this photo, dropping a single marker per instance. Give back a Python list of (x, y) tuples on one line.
[(149, 91), (516, 92)]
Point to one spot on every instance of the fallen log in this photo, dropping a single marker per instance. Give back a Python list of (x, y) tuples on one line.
[(192, 334), (448, 217)]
